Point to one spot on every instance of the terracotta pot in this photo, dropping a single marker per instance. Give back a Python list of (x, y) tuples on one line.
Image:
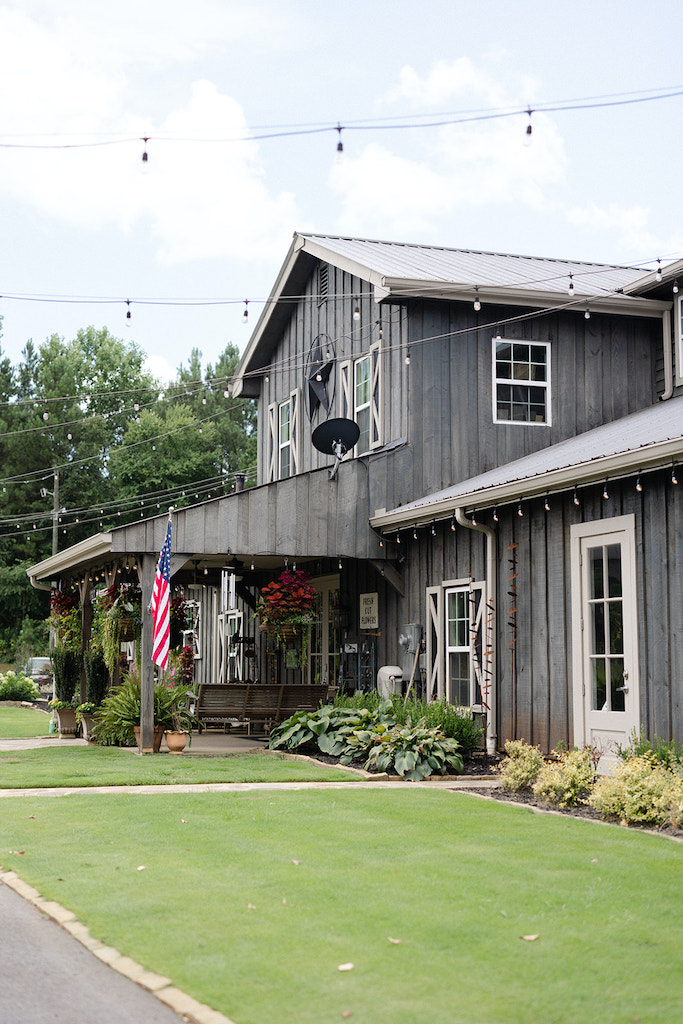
[(176, 741), (158, 733)]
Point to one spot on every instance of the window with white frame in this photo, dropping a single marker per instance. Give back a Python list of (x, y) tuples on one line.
[(459, 641), (361, 397), (521, 381), (283, 437)]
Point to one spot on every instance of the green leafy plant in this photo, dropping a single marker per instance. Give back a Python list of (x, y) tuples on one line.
[(66, 665), (640, 792), (96, 676), (668, 753), (286, 609), (372, 736), (414, 751), (567, 781), (120, 605), (454, 722), (17, 686), (522, 766), (120, 712)]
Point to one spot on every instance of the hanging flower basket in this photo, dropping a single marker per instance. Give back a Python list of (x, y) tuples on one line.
[(286, 610), (126, 628)]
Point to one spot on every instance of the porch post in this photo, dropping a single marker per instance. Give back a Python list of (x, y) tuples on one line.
[(147, 565)]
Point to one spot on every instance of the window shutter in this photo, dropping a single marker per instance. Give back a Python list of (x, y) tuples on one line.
[(376, 403), (273, 440), (345, 382), (295, 431), (435, 635), (477, 651)]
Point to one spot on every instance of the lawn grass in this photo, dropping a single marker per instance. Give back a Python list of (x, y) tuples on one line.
[(22, 723), (251, 901), (65, 765)]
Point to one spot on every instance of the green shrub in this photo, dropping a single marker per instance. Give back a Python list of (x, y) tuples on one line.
[(17, 686), (639, 793), (354, 733), (454, 722), (567, 781), (66, 665), (413, 751), (668, 753), (674, 797), (96, 676), (522, 766)]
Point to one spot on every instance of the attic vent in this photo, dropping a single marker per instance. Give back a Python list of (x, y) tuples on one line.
[(323, 282)]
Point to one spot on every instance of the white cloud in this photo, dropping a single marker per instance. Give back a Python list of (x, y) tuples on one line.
[(444, 82)]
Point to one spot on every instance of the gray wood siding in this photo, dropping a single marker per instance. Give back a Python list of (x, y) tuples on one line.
[(535, 686)]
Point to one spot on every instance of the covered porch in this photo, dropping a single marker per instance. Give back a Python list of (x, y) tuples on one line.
[(223, 552)]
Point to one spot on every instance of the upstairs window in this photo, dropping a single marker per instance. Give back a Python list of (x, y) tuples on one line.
[(361, 397), (521, 381), (283, 437)]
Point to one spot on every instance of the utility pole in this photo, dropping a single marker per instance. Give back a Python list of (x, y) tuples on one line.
[(55, 511)]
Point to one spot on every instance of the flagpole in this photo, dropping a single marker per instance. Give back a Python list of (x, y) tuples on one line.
[(151, 578)]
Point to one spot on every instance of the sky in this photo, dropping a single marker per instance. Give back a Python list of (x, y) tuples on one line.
[(239, 101)]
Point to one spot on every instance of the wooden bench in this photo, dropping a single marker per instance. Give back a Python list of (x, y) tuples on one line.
[(245, 703)]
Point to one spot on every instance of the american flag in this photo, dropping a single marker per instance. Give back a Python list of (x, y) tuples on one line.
[(161, 605)]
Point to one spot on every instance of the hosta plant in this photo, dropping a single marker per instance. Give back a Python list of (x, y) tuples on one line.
[(414, 751)]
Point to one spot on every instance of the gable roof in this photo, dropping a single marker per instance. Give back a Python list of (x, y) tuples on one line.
[(398, 270), (644, 440)]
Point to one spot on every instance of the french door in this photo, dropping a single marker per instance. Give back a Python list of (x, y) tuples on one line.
[(325, 646), (605, 635)]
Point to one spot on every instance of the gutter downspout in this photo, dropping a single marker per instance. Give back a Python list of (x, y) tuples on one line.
[(668, 359), (491, 579)]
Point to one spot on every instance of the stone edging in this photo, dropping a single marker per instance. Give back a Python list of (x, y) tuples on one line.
[(162, 988)]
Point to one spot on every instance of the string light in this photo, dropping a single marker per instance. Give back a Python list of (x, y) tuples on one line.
[(495, 515), (415, 533), (356, 309), (128, 315), (477, 302), (658, 275), (340, 562), (527, 134), (520, 510), (570, 289), (398, 537), (340, 144), (587, 314), (546, 504), (245, 315), (380, 331), (474, 518), (145, 158), (675, 287), (639, 485), (674, 478), (576, 496), (604, 492), (433, 530), (453, 523)]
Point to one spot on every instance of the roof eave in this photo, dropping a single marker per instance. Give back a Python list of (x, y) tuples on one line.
[(70, 559), (645, 459)]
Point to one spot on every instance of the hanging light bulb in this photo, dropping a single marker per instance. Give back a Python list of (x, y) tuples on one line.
[(128, 314), (381, 332), (495, 515), (477, 303), (433, 530), (398, 537), (252, 563), (675, 287), (145, 158), (407, 357), (546, 504), (356, 309), (453, 523), (381, 542), (46, 415), (520, 510), (206, 570), (576, 496), (340, 562), (245, 315), (604, 492), (527, 133), (639, 486), (570, 289), (340, 144), (474, 518), (587, 314), (658, 275), (674, 478), (415, 533)]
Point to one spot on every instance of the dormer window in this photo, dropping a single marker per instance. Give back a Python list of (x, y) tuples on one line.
[(521, 381)]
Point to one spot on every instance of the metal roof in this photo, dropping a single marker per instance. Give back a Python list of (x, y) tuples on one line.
[(643, 440), (470, 267)]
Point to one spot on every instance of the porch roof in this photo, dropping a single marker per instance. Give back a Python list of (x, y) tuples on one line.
[(642, 441), (304, 517)]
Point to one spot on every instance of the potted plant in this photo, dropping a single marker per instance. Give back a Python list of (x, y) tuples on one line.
[(286, 610), (85, 720), (122, 608), (179, 735), (65, 622)]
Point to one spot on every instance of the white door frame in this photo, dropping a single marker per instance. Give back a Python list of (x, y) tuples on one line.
[(603, 727)]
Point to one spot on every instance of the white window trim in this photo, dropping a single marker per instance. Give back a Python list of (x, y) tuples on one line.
[(347, 394), (436, 636), (274, 445), (678, 320), (495, 381)]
